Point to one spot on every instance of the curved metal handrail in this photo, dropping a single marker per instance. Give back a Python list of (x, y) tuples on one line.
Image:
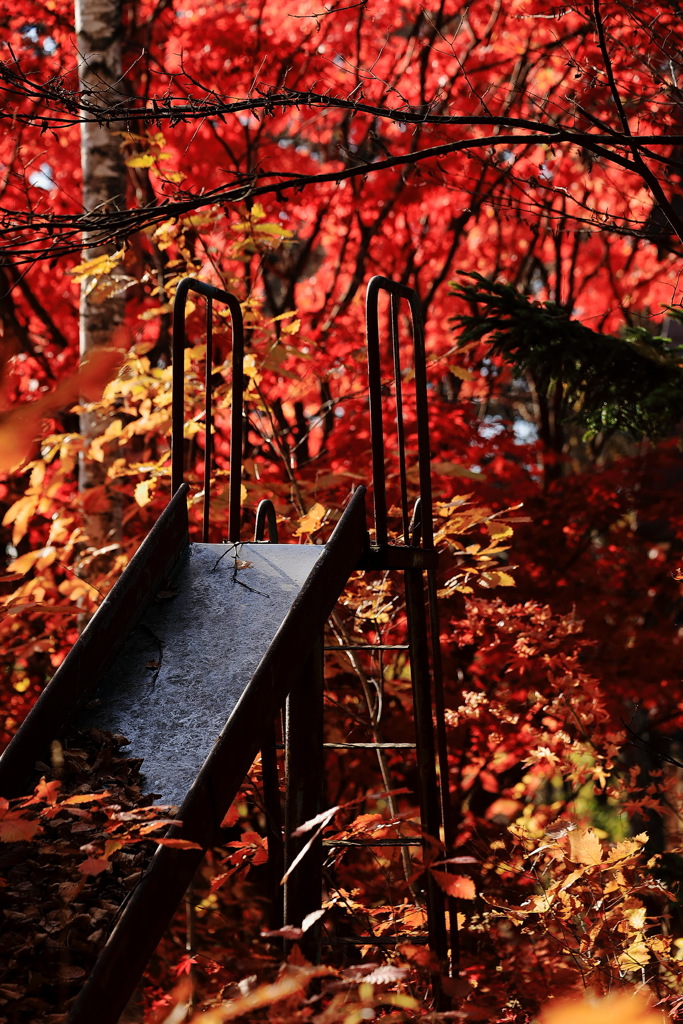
[(397, 292), (265, 518), (210, 293)]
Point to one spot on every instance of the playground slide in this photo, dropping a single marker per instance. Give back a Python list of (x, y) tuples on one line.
[(190, 657)]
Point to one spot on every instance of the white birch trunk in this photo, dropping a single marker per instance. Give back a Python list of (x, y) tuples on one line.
[(99, 31)]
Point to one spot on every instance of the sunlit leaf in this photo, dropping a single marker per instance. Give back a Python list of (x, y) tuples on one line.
[(459, 886), (312, 521), (584, 847)]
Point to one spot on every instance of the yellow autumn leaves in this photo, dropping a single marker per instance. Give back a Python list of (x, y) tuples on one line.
[(593, 901), (477, 561)]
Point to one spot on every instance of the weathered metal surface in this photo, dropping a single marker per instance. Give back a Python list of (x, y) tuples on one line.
[(188, 662), (430, 808), (97, 647), (152, 904)]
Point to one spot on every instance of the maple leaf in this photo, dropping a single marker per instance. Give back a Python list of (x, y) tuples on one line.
[(584, 847), (458, 886), (185, 965), (312, 521)]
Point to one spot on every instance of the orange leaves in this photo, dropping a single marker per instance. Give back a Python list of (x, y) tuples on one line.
[(312, 521), (584, 847), (48, 792), (177, 844), (250, 849), (593, 900), (16, 829), (619, 1008), (101, 364), (22, 820), (38, 560), (144, 491), (94, 866), (19, 429), (292, 981), (20, 426), (459, 886)]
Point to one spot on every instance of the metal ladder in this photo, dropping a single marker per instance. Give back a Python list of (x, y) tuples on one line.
[(415, 557)]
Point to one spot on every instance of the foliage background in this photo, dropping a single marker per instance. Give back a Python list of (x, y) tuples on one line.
[(286, 157)]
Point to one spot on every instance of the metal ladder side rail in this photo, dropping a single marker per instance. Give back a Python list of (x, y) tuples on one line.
[(396, 293), (418, 536)]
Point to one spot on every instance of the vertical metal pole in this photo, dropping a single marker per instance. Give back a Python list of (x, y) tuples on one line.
[(428, 794), (235, 510), (265, 519), (208, 419), (422, 411), (304, 763), (178, 386), (379, 494), (400, 425), (271, 807), (447, 815)]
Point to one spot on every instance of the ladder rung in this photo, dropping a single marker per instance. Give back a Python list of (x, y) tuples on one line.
[(367, 647), (360, 746), (372, 842), (375, 940), (369, 746)]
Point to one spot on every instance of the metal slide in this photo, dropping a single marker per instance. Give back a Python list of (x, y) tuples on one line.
[(197, 647), (227, 647)]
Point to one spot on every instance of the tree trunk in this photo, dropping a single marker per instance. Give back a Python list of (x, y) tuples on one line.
[(102, 305)]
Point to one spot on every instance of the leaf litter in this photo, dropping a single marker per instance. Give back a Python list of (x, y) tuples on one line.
[(69, 855)]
